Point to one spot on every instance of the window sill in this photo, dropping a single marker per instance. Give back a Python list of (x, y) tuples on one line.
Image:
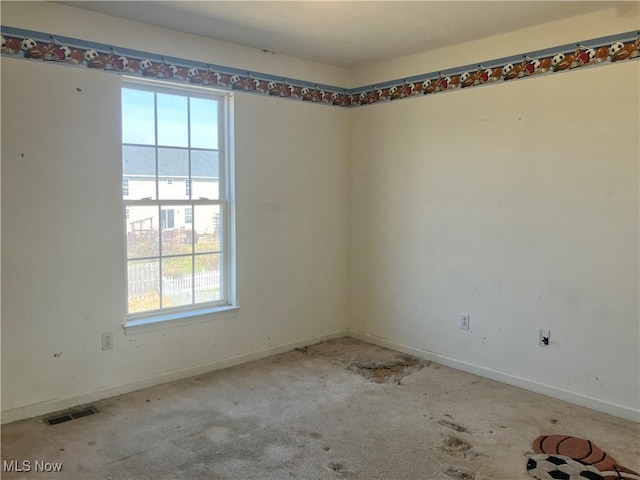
[(178, 319)]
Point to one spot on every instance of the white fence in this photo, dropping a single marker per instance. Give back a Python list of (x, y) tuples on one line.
[(144, 280)]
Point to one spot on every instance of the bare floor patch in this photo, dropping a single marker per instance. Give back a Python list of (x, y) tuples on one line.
[(392, 371)]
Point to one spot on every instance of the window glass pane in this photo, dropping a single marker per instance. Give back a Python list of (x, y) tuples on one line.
[(138, 118), (204, 123), (204, 174), (176, 233), (207, 223), (139, 166), (207, 278), (173, 127), (173, 169), (177, 281), (144, 285), (142, 231)]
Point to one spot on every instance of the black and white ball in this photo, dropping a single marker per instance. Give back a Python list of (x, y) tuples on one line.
[(4, 42), (426, 84), (145, 64), (28, 43), (272, 85), (304, 91), (559, 467), (90, 54), (124, 61), (464, 77), (234, 79), (557, 58), (615, 48), (507, 68), (192, 72), (393, 90)]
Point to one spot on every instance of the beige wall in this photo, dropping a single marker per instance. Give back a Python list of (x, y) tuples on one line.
[(62, 248), (517, 204)]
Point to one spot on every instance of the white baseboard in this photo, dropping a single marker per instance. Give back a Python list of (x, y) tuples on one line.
[(55, 405), (44, 408), (548, 390)]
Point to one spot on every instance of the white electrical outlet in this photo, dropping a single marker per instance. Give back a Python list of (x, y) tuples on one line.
[(107, 341), (544, 337), (464, 321)]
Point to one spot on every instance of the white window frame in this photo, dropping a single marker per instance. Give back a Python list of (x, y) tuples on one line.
[(195, 313)]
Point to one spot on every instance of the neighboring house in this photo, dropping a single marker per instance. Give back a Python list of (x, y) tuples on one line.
[(175, 182)]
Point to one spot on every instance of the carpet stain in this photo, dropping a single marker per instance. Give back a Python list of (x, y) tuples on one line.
[(340, 469), (454, 426), (458, 474), (456, 446)]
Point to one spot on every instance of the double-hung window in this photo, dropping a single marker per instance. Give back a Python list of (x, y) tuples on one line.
[(179, 241)]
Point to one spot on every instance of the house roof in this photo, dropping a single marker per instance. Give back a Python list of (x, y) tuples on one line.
[(138, 161)]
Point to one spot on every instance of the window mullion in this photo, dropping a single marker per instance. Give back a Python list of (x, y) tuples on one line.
[(222, 188), (190, 190), (160, 252), (225, 248), (160, 228), (193, 256), (153, 203)]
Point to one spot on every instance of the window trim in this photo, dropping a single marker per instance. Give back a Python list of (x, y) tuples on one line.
[(196, 313)]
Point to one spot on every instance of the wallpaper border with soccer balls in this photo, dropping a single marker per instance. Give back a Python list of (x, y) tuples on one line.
[(38, 46)]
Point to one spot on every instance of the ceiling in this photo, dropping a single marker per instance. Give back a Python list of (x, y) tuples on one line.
[(345, 33)]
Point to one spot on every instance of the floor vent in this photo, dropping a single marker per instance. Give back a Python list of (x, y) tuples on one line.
[(68, 416)]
